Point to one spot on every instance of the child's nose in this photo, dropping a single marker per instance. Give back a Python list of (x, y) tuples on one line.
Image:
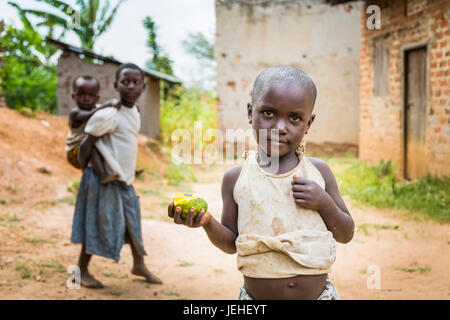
[(281, 126)]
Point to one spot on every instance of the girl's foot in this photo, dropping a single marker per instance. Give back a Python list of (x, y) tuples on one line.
[(141, 270), (88, 281)]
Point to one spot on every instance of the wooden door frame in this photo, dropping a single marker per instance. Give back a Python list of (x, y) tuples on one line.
[(404, 51)]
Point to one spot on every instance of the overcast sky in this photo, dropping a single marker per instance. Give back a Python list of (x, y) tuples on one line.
[(125, 40)]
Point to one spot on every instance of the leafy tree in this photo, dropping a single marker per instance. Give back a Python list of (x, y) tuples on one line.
[(160, 60), (27, 77), (201, 47), (88, 20)]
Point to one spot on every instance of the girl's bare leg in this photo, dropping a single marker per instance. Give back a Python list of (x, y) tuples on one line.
[(87, 280), (139, 268)]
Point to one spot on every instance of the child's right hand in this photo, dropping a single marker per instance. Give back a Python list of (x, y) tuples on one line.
[(200, 220)]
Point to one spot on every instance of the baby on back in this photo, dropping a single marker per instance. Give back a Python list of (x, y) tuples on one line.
[(85, 94)]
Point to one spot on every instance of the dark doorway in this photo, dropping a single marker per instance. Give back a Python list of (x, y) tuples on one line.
[(415, 112)]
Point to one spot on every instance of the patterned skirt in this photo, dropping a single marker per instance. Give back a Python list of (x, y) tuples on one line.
[(104, 214)]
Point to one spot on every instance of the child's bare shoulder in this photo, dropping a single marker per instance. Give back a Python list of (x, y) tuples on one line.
[(230, 177), (322, 166), (324, 170), (319, 164), (74, 120)]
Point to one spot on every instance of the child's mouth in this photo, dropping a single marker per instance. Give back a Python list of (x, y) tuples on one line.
[(279, 141)]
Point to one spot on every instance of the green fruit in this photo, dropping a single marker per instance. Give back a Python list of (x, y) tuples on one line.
[(188, 200)]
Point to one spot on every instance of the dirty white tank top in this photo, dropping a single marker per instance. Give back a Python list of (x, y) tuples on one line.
[(278, 238)]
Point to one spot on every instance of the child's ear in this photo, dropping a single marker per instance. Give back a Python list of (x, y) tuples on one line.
[(311, 119), (249, 112), (73, 96), (97, 98), (115, 84)]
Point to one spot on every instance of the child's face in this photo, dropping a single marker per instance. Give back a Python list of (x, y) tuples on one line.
[(130, 86), (86, 94), (284, 113)]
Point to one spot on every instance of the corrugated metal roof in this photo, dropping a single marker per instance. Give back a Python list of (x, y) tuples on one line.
[(91, 54)]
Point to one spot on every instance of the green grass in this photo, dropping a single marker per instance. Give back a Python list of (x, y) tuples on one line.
[(69, 200), (416, 268), (35, 241), (185, 264), (114, 276), (114, 293), (377, 186), (74, 187), (25, 272), (176, 173), (185, 107), (153, 174), (56, 266), (110, 275), (172, 293), (364, 227), (14, 189), (149, 192), (11, 222)]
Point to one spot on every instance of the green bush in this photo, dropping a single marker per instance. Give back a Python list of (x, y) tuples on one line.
[(184, 107), (27, 78), (177, 173), (377, 186)]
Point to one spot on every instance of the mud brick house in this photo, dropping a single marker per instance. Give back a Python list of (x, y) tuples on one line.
[(321, 39), (72, 63), (405, 87)]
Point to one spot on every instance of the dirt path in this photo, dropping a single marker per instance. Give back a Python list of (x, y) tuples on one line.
[(36, 211), (412, 256)]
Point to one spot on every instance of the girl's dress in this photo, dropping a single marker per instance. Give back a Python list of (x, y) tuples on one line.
[(103, 213), (278, 238)]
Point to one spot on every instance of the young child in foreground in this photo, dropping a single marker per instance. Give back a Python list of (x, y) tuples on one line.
[(108, 215), (283, 221), (85, 94)]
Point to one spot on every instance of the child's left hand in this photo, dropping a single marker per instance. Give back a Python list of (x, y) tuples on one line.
[(308, 194)]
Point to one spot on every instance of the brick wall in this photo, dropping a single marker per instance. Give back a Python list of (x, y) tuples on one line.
[(405, 24)]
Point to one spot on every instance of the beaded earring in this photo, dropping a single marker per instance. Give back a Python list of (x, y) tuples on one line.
[(300, 150)]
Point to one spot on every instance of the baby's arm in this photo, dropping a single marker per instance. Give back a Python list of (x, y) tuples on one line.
[(222, 234), (102, 123), (78, 116), (85, 149), (328, 202)]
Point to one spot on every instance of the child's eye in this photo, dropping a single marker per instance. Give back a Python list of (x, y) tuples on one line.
[(295, 118), (268, 114)]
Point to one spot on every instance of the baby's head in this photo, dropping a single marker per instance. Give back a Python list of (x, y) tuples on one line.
[(129, 83), (85, 92), (283, 99)]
